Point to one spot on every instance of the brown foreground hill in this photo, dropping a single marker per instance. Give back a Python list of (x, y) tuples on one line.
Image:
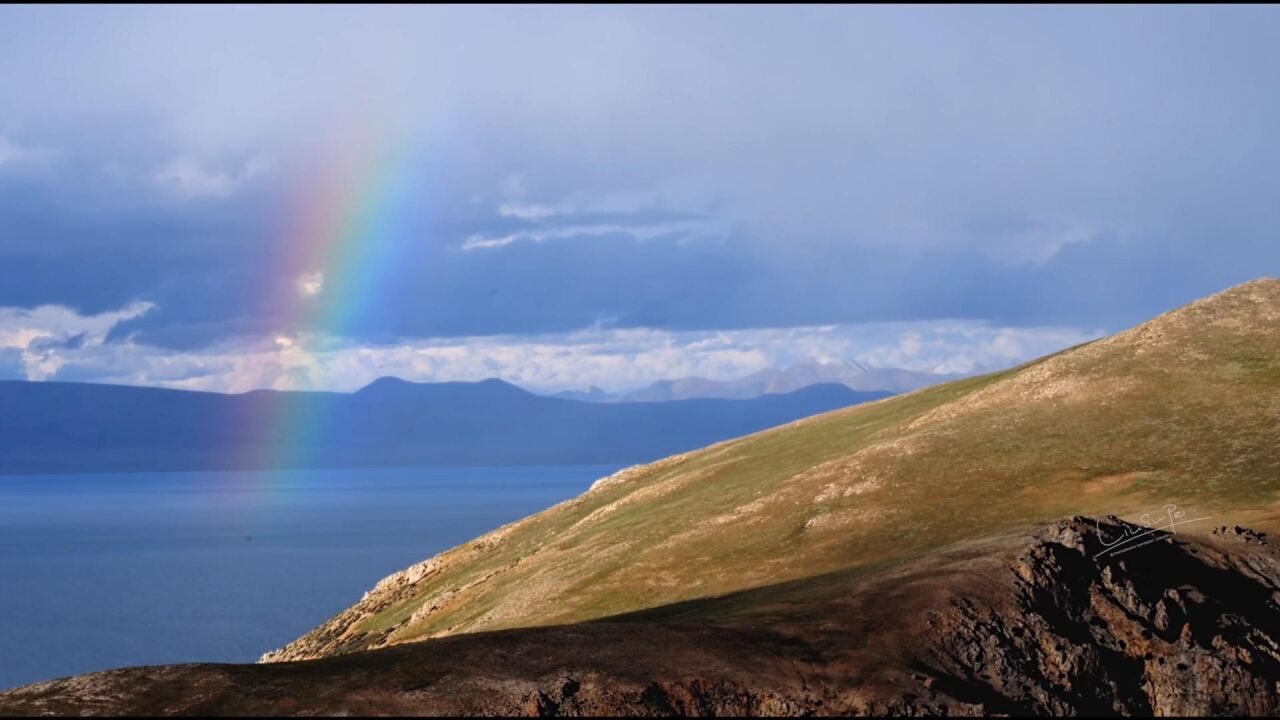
[(879, 558), (1060, 623)]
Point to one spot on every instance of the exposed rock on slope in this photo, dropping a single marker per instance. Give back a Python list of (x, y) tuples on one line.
[(1184, 408), (1059, 622), (1170, 628)]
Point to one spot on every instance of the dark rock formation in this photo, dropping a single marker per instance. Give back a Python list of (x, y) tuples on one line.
[(1101, 623)]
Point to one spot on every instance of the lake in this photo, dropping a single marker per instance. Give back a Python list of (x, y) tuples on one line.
[(99, 571)]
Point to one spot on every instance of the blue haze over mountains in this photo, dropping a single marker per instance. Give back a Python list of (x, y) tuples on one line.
[(850, 373), (55, 427)]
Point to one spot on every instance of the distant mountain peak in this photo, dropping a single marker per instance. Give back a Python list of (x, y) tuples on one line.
[(389, 385), (593, 393), (846, 364), (387, 382)]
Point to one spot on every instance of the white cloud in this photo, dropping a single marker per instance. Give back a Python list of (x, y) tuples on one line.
[(579, 214), (187, 178), (638, 232), (615, 359), (310, 284), (579, 203), (47, 336), (527, 212), (15, 155), (191, 180)]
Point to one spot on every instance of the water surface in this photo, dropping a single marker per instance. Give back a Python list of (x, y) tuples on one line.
[(99, 571)]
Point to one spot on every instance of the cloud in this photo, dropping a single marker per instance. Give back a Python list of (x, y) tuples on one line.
[(578, 203), (1038, 243), (43, 339), (11, 365), (994, 172), (639, 233), (13, 155), (641, 215), (191, 180), (56, 343), (527, 212), (310, 284)]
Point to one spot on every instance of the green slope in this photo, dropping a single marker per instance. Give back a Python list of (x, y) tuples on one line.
[(1183, 409)]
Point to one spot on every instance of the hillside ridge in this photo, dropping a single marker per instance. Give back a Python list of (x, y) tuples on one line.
[(1182, 409)]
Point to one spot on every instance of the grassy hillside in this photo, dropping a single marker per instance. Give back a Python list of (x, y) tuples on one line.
[(1183, 409)]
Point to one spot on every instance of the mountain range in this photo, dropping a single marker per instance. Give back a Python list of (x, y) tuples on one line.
[(1083, 534), (52, 427), (851, 374)]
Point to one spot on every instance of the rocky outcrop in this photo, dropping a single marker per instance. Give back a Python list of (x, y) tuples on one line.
[(1112, 618), (1083, 617)]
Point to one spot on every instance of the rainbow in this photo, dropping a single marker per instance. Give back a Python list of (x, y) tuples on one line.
[(341, 235)]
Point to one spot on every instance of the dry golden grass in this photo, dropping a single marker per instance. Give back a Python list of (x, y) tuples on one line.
[(1182, 409)]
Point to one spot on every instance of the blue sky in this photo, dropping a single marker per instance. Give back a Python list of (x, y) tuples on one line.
[(615, 195)]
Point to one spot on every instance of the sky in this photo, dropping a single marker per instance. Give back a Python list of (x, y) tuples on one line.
[(230, 198)]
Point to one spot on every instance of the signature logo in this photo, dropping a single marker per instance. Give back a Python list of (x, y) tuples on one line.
[(1154, 529)]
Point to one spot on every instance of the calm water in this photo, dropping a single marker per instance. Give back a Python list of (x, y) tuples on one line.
[(99, 571)]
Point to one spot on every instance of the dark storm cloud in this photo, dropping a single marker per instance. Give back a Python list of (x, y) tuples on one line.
[(661, 167)]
